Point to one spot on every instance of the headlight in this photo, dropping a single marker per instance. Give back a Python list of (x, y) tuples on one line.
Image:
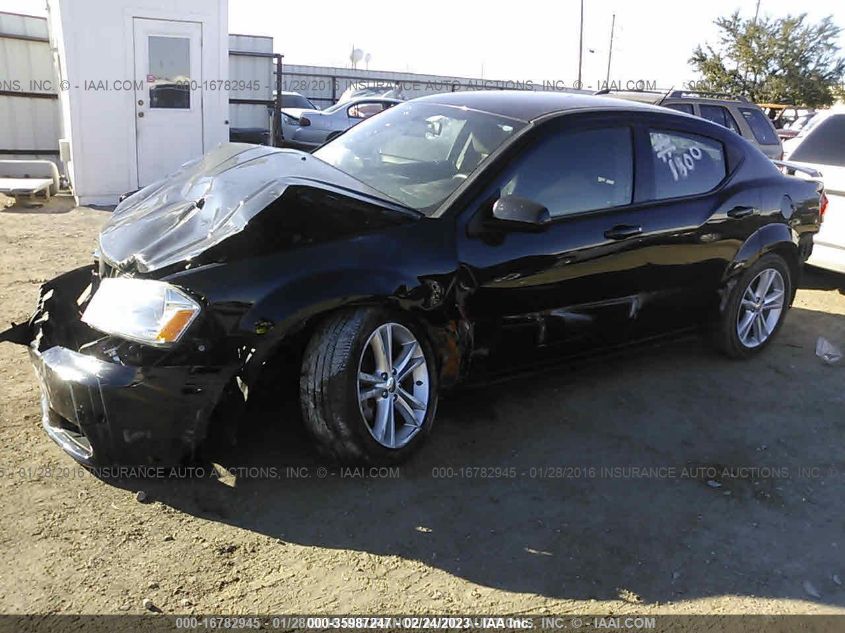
[(142, 310)]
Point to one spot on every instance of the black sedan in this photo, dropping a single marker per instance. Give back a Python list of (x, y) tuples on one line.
[(454, 235)]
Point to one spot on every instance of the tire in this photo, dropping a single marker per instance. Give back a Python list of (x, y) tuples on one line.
[(735, 336), (340, 364)]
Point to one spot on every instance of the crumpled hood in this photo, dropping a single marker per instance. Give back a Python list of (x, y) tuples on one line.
[(207, 201)]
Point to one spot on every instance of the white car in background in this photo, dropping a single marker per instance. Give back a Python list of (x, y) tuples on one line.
[(822, 147), (395, 91), (308, 129)]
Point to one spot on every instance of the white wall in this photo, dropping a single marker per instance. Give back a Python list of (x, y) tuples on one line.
[(93, 40)]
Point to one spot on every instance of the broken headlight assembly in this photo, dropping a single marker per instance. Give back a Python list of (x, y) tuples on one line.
[(141, 310)]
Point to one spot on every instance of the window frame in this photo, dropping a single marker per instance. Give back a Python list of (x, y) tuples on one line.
[(747, 108), (598, 126), (151, 89), (647, 156), (678, 106), (385, 105), (605, 123), (728, 116), (466, 201)]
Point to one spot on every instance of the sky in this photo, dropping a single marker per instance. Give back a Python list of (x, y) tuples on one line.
[(511, 41)]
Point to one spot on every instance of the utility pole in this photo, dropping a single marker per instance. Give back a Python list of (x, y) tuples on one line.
[(610, 51), (581, 45), (745, 71)]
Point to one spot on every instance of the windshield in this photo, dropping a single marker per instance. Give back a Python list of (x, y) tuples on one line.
[(334, 108), (296, 101), (418, 153)]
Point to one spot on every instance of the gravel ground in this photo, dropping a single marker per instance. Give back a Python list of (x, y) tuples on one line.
[(663, 480)]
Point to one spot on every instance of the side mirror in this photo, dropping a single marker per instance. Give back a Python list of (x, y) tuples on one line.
[(521, 213)]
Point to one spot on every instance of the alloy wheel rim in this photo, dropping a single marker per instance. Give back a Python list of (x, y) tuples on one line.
[(393, 385), (760, 308)]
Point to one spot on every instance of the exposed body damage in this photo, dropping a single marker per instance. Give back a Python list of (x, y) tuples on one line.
[(275, 248), (261, 277)]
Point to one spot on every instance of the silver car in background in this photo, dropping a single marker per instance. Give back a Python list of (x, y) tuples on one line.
[(308, 129)]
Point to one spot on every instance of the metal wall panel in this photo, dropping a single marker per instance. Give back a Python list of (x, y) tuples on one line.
[(251, 77), (27, 123), (324, 85)]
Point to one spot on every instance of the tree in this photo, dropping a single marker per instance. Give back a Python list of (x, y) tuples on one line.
[(776, 60)]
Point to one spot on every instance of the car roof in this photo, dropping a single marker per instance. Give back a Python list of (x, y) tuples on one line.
[(677, 96), (370, 98), (528, 105)]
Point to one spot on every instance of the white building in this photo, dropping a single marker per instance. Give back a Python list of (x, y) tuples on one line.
[(142, 88)]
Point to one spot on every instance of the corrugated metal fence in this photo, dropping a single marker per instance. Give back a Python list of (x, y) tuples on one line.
[(29, 106), (324, 85)]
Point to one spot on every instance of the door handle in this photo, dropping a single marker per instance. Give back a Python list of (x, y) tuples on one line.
[(622, 231), (741, 212)]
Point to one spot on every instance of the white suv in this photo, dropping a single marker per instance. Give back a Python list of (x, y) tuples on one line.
[(822, 147)]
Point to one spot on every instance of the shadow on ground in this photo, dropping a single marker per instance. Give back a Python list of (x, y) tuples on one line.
[(41, 206), (532, 485), (818, 279)]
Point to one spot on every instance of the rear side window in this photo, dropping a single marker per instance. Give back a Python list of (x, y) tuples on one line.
[(576, 171), (685, 164), (719, 114), (760, 126), (681, 107), (825, 145)]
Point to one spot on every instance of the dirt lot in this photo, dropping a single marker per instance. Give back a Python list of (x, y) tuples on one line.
[(579, 527)]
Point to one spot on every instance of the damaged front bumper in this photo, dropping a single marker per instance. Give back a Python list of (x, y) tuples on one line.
[(104, 411)]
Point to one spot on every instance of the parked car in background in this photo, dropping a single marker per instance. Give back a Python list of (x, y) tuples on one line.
[(790, 144), (390, 91), (296, 100), (779, 114), (737, 114), (314, 127), (293, 103), (822, 148), (457, 234), (793, 128)]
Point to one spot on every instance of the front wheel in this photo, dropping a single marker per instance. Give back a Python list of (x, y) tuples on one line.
[(755, 308), (368, 387)]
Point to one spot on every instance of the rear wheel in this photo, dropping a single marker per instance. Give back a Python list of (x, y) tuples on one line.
[(756, 308), (368, 386)]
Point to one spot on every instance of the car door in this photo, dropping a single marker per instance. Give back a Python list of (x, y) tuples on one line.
[(622, 254), (577, 278), (698, 215)]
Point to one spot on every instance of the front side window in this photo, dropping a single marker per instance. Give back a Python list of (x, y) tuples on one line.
[(825, 145), (760, 126), (418, 153), (685, 164), (576, 171), (720, 115)]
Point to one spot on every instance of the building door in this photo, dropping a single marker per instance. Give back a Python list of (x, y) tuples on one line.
[(168, 96)]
